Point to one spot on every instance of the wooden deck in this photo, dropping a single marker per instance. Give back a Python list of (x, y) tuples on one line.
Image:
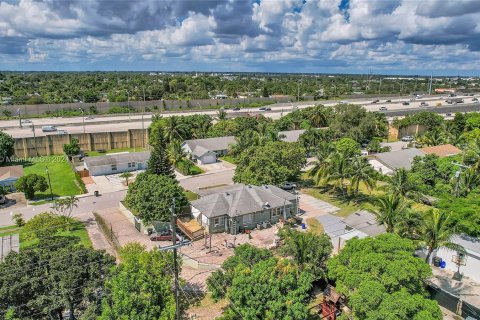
[(192, 229)]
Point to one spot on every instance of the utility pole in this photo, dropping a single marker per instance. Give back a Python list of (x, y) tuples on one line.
[(174, 247), (49, 182), (19, 117), (457, 176), (83, 119), (430, 85)]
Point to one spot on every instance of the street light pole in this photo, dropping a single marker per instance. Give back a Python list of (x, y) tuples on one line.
[(83, 119), (19, 117), (49, 182)]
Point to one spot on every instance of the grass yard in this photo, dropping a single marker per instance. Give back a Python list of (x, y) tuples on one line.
[(228, 159), (96, 153), (61, 175), (191, 195), (346, 207), (315, 226), (195, 170), (77, 231)]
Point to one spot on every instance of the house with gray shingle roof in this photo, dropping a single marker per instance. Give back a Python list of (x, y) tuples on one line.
[(243, 206), (116, 163), (205, 151), (387, 162)]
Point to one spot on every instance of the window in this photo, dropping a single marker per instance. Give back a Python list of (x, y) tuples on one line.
[(248, 218), (131, 164), (275, 212), (114, 167), (217, 221)]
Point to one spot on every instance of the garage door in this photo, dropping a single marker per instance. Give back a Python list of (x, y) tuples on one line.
[(209, 158)]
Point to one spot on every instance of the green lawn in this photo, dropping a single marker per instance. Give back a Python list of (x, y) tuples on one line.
[(61, 175), (346, 207), (96, 153), (228, 159), (191, 195), (195, 170), (78, 231)]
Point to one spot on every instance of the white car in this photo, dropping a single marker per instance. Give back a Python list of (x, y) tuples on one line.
[(407, 138)]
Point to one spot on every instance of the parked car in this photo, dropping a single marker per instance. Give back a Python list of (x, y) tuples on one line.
[(161, 236), (383, 109), (475, 100), (423, 104), (49, 128), (407, 138), (288, 186), (26, 121), (406, 103), (236, 109), (343, 102)]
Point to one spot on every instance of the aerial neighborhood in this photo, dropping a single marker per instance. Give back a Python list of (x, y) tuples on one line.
[(239, 160)]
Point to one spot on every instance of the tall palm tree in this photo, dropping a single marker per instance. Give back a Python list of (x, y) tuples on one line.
[(469, 180), (321, 165), (435, 233), (398, 182), (389, 210), (338, 171), (433, 138), (318, 117), (362, 172), (174, 129), (408, 226), (176, 153)]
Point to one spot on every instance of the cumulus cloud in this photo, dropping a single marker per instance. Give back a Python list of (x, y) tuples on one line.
[(300, 35)]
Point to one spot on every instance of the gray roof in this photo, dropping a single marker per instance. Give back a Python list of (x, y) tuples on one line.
[(469, 243), (366, 222), (242, 199), (117, 158), (211, 144), (400, 158), (291, 135)]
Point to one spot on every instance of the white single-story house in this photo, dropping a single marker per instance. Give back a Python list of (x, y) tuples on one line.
[(205, 151), (290, 135), (116, 163), (387, 162), (9, 175), (243, 206)]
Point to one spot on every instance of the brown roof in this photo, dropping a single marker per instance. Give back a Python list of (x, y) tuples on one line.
[(11, 171), (443, 150)]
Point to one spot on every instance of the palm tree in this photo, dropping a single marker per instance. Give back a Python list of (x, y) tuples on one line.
[(174, 130), (435, 233), (317, 117), (389, 210), (408, 226), (222, 114), (176, 153), (398, 182), (321, 165), (338, 171), (126, 176), (362, 172), (469, 180), (433, 138)]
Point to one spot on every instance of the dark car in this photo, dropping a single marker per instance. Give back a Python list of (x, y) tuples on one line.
[(236, 109), (161, 236), (475, 100), (288, 186), (262, 109), (405, 103), (268, 108), (375, 101), (388, 100)]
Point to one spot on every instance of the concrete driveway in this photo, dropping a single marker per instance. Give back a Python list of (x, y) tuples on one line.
[(217, 166)]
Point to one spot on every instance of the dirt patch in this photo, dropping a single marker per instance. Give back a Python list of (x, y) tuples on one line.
[(88, 180)]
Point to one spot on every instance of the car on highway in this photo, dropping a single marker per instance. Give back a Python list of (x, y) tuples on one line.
[(406, 103), (268, 108), (407, 138), (343, 102), (475, 100), (262, 109), (26, 121), (89, 118), (49, 128), (165, 235), (62, 132), (375, 101), (383, 109), (448, 114), (388, 100), (236, 109), (423, 104)]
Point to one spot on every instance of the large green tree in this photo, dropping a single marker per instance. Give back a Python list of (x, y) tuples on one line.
[(6, 146), (31, 183), (382, 279), (151, 196), (265, 288), (140, 287), (272, 163)]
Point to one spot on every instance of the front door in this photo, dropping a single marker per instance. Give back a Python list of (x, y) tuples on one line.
[(140, 166)]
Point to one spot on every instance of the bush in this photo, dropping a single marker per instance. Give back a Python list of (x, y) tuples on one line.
[(18, 218), (79, 182), (120, 110)]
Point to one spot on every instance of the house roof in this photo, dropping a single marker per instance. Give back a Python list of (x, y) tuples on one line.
[(291, 135), (200, 151), (117, 158), (399, 159), (243, 199), (212, 144), (366, 222), (469, 243), (443, 150), (11, 172)]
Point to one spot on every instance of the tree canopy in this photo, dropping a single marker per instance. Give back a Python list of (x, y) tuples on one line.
[(376, 274), (31, 183), (6, 146)]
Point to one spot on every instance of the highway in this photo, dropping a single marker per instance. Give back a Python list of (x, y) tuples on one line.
[(113, 123)]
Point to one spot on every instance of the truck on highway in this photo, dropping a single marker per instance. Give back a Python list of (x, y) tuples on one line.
[(453, 100), (49, 128)]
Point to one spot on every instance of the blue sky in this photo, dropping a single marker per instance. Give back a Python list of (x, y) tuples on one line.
[(341, 36)]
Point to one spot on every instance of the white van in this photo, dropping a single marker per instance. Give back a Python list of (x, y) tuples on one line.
[(49, 128)]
